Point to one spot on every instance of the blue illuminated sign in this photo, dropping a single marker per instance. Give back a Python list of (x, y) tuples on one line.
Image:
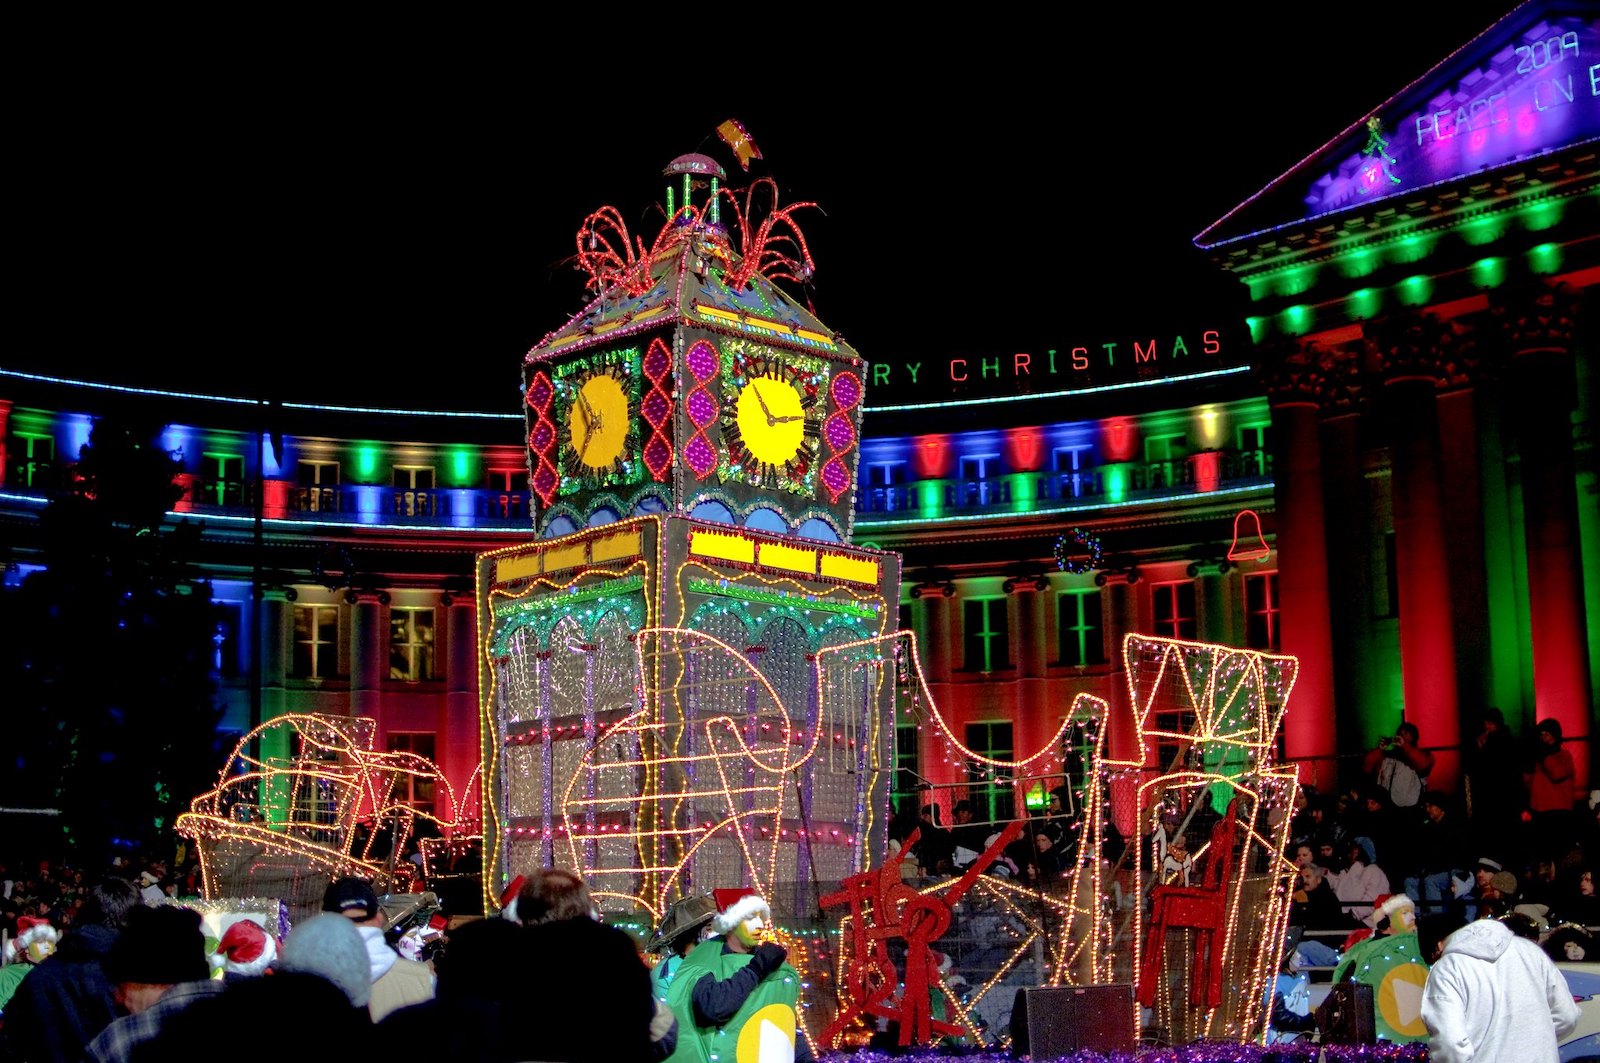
[(1530, 90)]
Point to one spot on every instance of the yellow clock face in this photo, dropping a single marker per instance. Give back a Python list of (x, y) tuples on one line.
[(598, 424), (771, 419)]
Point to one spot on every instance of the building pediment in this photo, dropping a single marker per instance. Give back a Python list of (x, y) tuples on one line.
[(1524, 91)]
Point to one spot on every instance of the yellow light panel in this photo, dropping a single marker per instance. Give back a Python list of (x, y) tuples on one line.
[(852, 569), (789, 558), (723, 547)]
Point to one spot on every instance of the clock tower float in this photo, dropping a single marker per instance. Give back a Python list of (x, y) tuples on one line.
[(688, 678)]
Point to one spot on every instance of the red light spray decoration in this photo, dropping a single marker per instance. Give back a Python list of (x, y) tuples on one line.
[(774, 248), (768, 249)]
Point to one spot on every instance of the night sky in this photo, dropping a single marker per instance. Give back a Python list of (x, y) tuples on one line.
[(390, 227)]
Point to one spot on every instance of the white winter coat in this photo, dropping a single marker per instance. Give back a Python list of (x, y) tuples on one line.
[(1494, 996)]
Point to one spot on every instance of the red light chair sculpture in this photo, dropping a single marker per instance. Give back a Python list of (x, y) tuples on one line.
[(1201, 908)]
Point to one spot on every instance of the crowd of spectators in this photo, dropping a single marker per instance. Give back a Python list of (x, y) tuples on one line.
[(1519, 843), (130, 981)]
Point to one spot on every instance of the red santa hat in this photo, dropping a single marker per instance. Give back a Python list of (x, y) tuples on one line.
[(508, 899), (245, 948), (734, 906), (35, 937), (1399, 909)]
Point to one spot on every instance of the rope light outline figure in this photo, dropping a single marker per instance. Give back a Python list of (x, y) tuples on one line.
[(1213, 680)]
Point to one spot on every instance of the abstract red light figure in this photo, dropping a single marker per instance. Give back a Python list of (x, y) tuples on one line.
[(884, 907)]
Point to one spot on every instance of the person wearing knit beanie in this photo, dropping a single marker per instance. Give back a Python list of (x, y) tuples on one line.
[(329, 946)]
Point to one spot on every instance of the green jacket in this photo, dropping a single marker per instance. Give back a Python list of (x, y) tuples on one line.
[(770, 1002), (1393, 966)]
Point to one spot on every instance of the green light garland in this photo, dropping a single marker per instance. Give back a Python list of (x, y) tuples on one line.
[(545, 611), (725, 589)]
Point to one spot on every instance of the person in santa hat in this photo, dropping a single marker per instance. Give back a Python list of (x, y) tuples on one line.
[(35, 940), (735, 997), (245, 950), (1389, 958)]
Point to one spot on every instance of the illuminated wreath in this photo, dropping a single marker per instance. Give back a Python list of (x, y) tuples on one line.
[(1082, 541)]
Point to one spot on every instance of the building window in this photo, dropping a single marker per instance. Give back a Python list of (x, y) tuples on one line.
[(410, 789), (1255, 454), (1080, 639), (886, 487), (413, 491), (980, 483), (227, 644), (989, 788), (1261, 612), (987, 636), (1165, 461), (886, 473), (316, 641), (506, 485), (507, 479), (907, 764), (1173, 606), (410, 643), (1073, 467), (222, 481), (32, 458), (317, 486)]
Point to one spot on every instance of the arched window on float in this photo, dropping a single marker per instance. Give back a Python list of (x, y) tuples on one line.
[(767, 520), (715, 512), (819, 529)]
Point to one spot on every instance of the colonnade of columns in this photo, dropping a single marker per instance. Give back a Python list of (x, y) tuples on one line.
[(1437, 397)]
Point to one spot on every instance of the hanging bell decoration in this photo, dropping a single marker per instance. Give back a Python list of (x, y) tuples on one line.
[(1254, 545)]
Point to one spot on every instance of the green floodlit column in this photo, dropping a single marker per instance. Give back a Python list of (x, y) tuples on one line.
[(1361, 678), (273, 633), (1510, 682), (1023, 487)]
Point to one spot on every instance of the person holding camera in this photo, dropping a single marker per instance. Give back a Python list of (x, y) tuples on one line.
[(1401, 765)]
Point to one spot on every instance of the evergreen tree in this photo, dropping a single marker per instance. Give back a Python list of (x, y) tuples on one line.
[(114, 704)]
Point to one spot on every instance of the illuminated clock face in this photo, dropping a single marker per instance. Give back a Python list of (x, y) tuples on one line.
[(597, 426), (772, 419)]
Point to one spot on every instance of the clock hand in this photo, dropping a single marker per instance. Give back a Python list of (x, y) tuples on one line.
[(771, 420), (783, 420), (587, 433), (589, 416)]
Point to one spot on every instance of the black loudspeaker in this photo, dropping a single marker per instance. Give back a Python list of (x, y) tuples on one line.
[(1057, 1021), (1345, 1018)]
